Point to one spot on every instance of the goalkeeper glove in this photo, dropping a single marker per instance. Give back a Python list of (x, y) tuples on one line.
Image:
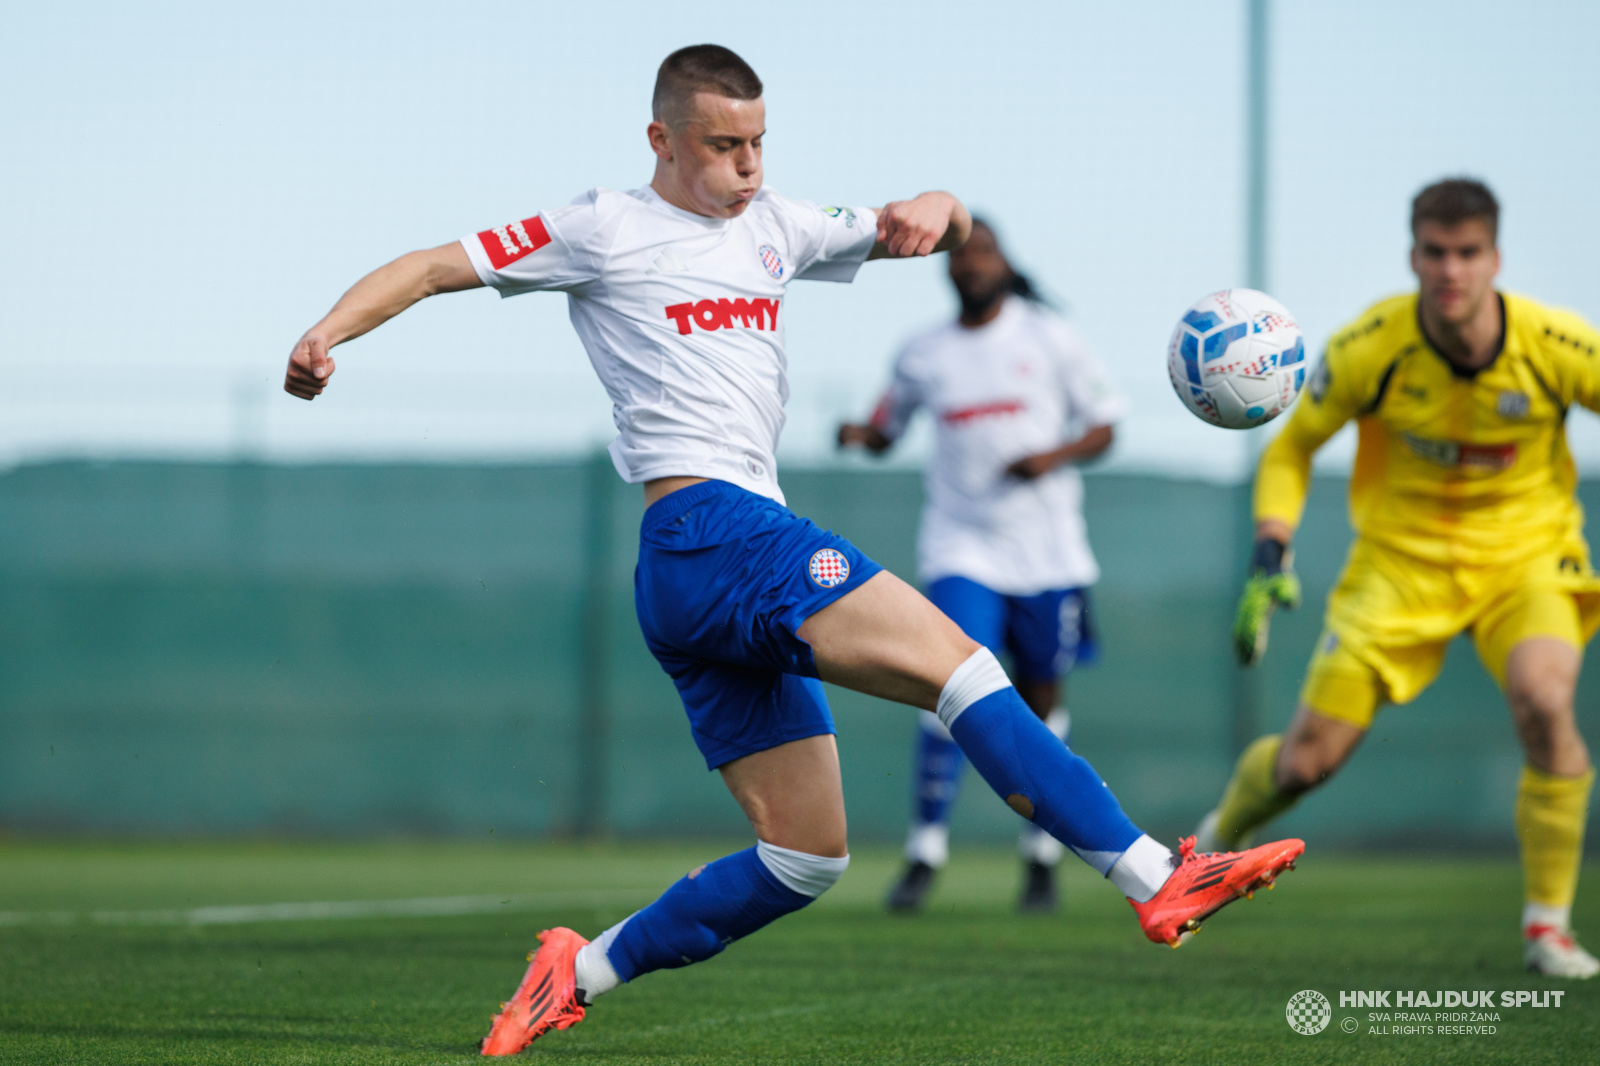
[(1271, 585)]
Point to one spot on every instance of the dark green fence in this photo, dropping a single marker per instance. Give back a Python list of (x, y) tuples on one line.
[(215, 649)]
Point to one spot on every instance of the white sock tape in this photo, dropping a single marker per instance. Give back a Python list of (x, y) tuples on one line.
[(980, 676), (593, 970), (1141, 870), (931, 725), (809, 875)]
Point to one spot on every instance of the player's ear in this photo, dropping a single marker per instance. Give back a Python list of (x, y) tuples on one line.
[(660, 139)]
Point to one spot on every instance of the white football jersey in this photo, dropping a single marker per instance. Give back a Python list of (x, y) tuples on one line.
[(682, 316), (1023, 383)]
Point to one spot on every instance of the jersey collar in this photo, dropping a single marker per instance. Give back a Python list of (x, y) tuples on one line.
[(1463, 372), (649, 195), (1007, 314)]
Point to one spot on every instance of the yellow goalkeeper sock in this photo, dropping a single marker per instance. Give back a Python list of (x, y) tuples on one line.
[(1551, 812), (1252, 799)]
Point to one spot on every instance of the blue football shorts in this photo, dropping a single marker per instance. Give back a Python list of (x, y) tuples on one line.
[(725, 579), (1046, 634)]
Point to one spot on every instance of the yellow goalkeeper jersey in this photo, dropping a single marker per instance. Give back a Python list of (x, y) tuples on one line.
[(1454, 468)]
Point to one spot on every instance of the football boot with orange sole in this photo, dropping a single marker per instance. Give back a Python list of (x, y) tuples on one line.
[(546, 999), (1206, 882)]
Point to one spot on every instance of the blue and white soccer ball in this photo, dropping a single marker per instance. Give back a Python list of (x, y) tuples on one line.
[(1237, 359)]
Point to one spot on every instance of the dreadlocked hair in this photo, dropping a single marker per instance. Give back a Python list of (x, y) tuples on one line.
[(1023, 286)]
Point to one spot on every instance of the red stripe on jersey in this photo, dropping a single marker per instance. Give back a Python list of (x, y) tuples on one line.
[(984, 410), (504, 245), (883, 412)]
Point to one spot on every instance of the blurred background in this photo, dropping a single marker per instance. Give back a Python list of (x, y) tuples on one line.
[(405, 609)]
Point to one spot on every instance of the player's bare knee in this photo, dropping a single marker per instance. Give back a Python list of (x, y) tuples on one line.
[(828, 840), (1551, 740), (1302, 767), (1544, 702), (959, 647), (829, 845), (1296, 777), (1314, 747)]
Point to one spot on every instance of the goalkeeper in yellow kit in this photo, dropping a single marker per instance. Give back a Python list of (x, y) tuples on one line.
[(1462, 498)]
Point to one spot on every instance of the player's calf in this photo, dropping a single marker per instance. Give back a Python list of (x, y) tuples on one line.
[(696, 918), (1273, 773), (1045, 782), (1041, 853), (707, 910)]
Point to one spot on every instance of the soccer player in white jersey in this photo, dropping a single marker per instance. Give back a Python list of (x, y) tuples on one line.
[(677, 290), (1018, 399)]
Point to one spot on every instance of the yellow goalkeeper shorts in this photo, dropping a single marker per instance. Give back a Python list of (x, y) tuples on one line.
[(1392, 616)]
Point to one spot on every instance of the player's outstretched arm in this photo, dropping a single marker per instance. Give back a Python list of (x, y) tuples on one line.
[(370, 303), (932, 222), (866, 435), (1091, 445), (1271, 584), (1282, 480)]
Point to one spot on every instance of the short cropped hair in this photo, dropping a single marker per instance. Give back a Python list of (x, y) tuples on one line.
[(700, 68), (1453, 201)]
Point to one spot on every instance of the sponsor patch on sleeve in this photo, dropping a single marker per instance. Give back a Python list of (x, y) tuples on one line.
[(506, 244), (844, 213)]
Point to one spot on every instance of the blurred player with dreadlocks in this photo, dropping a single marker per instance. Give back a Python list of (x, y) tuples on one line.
[(1018, 400)]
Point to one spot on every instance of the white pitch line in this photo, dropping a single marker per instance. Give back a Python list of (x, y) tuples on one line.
[(833, 1003), (427, 907)]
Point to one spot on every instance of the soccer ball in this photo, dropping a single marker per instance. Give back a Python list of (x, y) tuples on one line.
[(1237, 359)]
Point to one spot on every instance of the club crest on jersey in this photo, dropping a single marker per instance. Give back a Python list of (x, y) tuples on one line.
[(829, 568), (1512, 404), (506, 244), (771, 260)]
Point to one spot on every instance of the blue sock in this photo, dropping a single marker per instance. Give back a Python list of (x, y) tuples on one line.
[(702, 914), (939, 766), (1019, 757)]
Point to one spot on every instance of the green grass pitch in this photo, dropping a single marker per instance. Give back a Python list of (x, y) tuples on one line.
[(968, 982)]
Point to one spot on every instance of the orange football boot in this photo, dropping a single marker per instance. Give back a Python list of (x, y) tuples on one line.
[(1205, 883), (546, 999)]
